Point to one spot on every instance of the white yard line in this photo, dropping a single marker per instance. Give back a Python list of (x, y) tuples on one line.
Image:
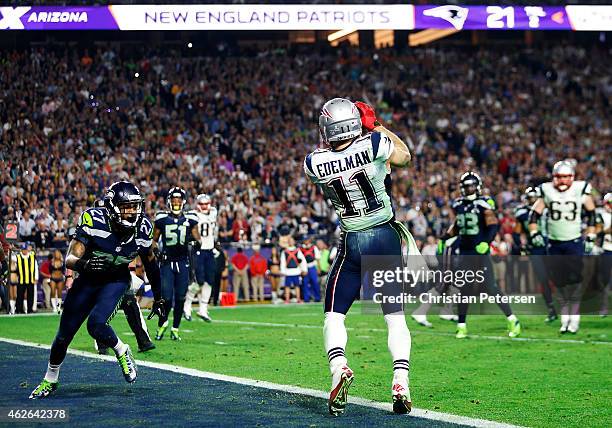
[(416, 331), (420, 413), (377, 330)]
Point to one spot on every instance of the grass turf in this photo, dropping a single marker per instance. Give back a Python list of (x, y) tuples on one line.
[(533, 383)]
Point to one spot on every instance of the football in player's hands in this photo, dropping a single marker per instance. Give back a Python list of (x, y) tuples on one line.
[(368, 115)]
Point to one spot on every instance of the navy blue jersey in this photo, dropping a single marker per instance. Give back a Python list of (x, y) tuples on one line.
[(175, 234), (470, 220), (94, 231)]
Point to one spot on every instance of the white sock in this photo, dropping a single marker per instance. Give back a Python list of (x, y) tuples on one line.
[(335, 338), (399, 343), (460, 325), (52, 372), (512, 318), (574, 319), (54, 303), (120, 347), (565, 319), (12, 305), (59, 302), (205, 297), (189, 297)]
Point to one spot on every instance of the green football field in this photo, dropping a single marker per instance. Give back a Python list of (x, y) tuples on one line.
[(542, 379)]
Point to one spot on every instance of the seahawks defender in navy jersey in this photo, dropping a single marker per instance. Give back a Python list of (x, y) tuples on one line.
[(522, 213), (105, 242), (566, 200), (174, 230), (475, 226), (351, 171)]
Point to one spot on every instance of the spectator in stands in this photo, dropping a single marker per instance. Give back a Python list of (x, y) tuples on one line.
[(240, 278), (258, 266), (26, 226)]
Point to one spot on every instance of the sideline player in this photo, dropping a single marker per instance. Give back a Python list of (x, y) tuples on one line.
[(105, 242), (475, 226), (174, 230), (351, 171), (565, 198), (204, 259)]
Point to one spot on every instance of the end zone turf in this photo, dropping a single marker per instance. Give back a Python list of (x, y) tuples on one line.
[(94, 394)]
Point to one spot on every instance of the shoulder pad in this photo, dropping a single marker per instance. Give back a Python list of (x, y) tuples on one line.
[(456, 203), (190, 215), (161, 215), (585, 187), (146, 228), (521, 210), (93, 217), (486, 204)]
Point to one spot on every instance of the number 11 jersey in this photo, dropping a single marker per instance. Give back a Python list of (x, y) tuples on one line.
[(353, 179)]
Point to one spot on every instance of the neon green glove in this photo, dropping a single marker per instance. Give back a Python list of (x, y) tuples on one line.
[(441, 246), (482, 248)]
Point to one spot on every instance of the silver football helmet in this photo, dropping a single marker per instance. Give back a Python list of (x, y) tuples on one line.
[(563, 175), (203, 202), (339, 121)]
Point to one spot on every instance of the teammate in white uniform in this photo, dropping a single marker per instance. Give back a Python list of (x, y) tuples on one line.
[(605, 262), (351, 173), (565, 198), (204, 259)]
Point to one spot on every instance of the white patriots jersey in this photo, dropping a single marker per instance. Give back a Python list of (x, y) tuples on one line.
[(207, 225), (565, 210), (606, 216), (353, 179)]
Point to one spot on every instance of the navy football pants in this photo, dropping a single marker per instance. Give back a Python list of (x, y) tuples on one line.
[(344, 280), (175, 280), (204, 267), (100, 303)]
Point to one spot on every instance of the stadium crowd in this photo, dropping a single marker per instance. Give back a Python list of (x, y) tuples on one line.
[(238, 127)]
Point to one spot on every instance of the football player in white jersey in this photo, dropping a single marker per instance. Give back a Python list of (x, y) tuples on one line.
[(204, 259), (565, 199), (351, 173), (605, 262)]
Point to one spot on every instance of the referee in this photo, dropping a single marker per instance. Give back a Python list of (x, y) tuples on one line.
[(27, 276)]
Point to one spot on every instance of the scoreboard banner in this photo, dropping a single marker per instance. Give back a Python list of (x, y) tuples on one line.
[(305, 17)]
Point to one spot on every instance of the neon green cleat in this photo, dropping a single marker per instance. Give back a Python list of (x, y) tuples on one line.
[(161, 330), (128, 365), (174, 334), (461, 332), (44, 389), (514, 328)]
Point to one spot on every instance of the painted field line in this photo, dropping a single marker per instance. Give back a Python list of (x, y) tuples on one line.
[(417, 332), (377, 330), (420, 413)]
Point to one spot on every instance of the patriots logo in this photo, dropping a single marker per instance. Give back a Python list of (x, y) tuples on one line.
[(454, 15)]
